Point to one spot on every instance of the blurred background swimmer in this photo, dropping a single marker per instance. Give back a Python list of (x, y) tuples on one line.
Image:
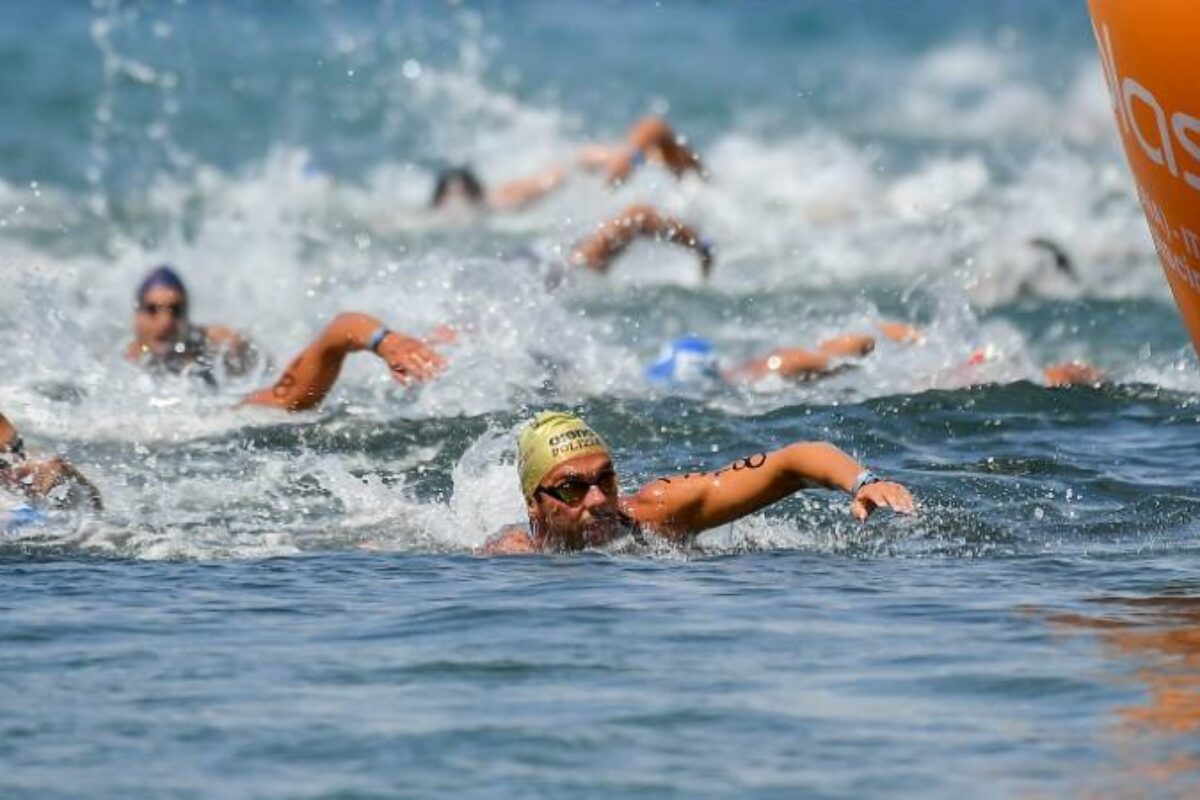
[(651, 139), (50, 482), (167, 342), (693, 360)]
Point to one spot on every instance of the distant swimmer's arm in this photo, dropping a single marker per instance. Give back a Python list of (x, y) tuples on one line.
[(307, 380), (684, 505), (612, 238), (796, 362), (650, 138), (511, 541), (900, 332), (515, 195), (786, 362)]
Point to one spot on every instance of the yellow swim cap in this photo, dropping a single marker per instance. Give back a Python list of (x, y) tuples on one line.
[(550, 439)]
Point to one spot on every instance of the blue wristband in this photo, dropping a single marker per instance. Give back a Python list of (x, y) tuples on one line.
[(637, 158), (377, 338), (865, 478)]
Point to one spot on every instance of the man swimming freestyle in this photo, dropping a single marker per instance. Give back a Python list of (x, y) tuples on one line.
[(573, 501), (650, 139), (48, 481), (167, 342)]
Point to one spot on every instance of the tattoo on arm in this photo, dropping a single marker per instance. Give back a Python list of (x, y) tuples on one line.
[(749, 462)]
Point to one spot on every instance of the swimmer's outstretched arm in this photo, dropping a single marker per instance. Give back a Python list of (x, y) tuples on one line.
[(612, 238), (650, 138), (684, 505), (518, 194), (307, 380), (795, 362)]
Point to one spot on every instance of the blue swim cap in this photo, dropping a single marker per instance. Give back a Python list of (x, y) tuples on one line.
[(690, 359), (161, 276)]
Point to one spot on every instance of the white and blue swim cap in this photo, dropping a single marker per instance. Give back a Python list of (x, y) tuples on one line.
[(690, 359)]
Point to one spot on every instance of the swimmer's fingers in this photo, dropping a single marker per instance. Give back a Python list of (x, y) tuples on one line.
[(442, 334), (884, 494), (410, 360)]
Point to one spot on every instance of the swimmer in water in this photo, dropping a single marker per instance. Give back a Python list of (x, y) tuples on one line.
[(651, 139), (166, 341), (49, 482), (573, 501), (692, 360)]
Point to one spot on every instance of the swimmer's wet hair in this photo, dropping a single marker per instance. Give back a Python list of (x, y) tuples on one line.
[(463, 176)]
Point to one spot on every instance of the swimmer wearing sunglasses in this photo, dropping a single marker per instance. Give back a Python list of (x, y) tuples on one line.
[(573, 500)]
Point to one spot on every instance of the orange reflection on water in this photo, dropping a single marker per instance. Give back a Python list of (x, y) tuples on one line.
[(1159, 754)]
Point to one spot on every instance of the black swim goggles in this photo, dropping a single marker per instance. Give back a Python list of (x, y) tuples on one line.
[(573, 490), (176, 310)]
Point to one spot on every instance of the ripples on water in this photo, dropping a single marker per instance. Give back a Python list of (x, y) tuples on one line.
[(1030, 633)]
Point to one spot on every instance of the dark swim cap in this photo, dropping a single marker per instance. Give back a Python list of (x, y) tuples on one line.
[(162, 276), (462, 176)]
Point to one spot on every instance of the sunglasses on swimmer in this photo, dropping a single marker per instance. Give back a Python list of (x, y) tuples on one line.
[(153, 309), (573, 490)]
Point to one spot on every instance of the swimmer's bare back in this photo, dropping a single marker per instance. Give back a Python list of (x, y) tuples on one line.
[(310, 376)]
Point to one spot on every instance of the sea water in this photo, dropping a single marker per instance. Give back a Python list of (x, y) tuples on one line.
[(289, 606)]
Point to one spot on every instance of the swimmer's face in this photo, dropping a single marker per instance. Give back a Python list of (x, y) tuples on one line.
[(577, 502), (160, 316)]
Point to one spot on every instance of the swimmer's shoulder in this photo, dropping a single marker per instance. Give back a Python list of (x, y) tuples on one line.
[(509, 540)]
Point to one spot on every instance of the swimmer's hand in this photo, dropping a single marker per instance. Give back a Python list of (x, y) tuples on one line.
[(881, 494), (410, 360), (442, 334)]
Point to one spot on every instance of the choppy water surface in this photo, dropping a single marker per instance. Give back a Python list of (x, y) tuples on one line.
[(220, 629)]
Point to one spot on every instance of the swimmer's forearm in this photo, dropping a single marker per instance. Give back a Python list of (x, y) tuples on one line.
[(786, 363), (639, 220), (351, 332), (684, 505), (519, 193), (821, 463)]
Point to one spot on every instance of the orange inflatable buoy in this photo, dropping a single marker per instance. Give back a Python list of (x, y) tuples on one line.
[(1149, 52)]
